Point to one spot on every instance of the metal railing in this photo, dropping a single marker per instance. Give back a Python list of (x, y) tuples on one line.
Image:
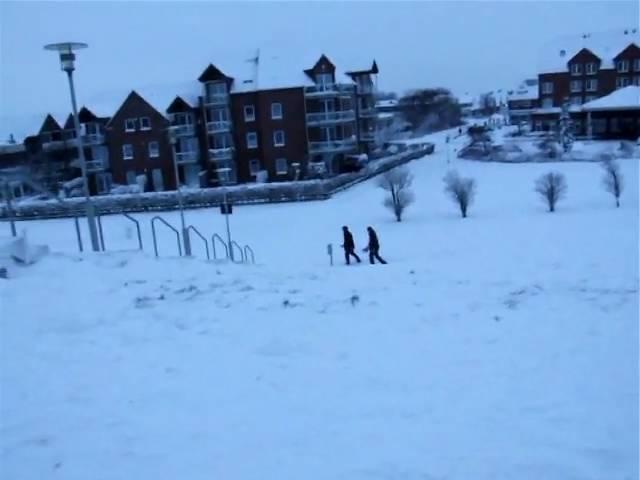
[(137, 223), (331, 117), (331, 146), (218, 126), (237, 246), (328, 89), (249, 251), (186, 157), (217, 154), (202, 237), (168, 225), (100, 232), (183, 130), (216, 99), (217, 237)]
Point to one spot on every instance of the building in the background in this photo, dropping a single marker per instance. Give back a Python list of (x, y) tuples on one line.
[(616, 115), (582, 68), (522, 102)]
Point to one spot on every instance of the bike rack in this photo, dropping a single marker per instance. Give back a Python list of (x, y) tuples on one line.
[(78, 234), (126, 215), (202, 237), (100, 232), (215, 237), (167, 224), (249, 251), (237, 245)]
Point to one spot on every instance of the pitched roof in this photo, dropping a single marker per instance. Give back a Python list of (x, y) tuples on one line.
[(50, 124), (526, 91), (605, 45), (627, 98)]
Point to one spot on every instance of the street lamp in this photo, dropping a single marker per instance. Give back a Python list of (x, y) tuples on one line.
[(226, 209), (185, 232), (67, 58)]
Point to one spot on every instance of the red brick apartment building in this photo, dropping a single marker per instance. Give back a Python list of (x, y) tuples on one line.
[(267, 119), (583, 68)]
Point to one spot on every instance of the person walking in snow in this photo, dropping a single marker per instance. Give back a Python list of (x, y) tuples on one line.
[(349, 246), (374, 247)]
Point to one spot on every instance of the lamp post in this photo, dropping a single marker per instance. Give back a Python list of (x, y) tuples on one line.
[(185, 232), (226, 210), (67, 58)]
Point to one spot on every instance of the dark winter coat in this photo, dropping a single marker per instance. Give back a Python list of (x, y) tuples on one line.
[(374, 245), (348, 243)]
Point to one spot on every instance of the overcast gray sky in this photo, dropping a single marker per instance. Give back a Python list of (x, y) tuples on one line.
[(463, 45)]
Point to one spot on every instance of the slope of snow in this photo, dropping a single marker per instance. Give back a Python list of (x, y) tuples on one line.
[(627, 98), (497, 347)]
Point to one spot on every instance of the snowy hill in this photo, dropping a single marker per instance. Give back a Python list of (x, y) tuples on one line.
[(497, 347)]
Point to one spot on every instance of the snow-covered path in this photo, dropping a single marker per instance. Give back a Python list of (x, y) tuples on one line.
[(497, 347)]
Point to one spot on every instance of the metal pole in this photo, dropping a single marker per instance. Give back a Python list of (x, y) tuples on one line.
[(185, 232), (93, 231), (12, 222), (226, 219)]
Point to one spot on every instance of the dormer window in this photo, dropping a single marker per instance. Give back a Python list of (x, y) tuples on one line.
[(576, 69), (324, 78), (636, 65), (592, 68), (622, 66)]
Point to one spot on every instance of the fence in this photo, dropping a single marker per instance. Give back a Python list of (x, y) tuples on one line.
[(308, 190)]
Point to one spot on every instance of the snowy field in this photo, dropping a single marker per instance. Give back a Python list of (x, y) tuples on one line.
[(503, 346)]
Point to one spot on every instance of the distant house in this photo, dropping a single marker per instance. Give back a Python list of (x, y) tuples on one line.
[(522, 102), (579, 69)]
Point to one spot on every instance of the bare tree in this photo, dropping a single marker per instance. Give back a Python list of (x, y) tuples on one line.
[(461, 190), (398, 183), (552, 187), (612, 180)]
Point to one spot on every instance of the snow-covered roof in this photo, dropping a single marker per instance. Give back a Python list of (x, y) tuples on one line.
[(606, 45), (627, 98), (525, 91), (387, 103)]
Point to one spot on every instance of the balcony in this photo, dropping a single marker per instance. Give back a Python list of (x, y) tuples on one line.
[(221, 154), (216, 99), (332, 146), (93, 139), (183, 130), (183, 158), (323, 118), (94, 166), (221, 126), (368, 112), (328, 90)]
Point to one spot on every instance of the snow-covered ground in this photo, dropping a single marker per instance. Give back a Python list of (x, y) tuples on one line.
[(502, 346)]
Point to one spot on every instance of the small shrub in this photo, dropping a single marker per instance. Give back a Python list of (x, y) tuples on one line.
[(551, 187), (460, 190)]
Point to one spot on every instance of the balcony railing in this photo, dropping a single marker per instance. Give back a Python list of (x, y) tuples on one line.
[(220, 154), (94, 166), (216, 99), (319, 118), (183, 130), (186, 157), (219, 126), (93, 139), (332, 146), (328, 89)]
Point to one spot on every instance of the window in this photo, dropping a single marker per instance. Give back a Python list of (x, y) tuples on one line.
[(547, 87), (131, 177), (547, 103), (576, 69), (127, 151), (154, 150), (130, 125), (278, 138), (622, 82), (145, 123), (254, 166), (613, 125), (324, 78), (592, 68), (282, 167), (104, 181), (249, 113), (622, 66), (636, 80), (276, 111), (576, 85), (252, 140), (592, 85), (576, 100), (589, 98), (636, 65)]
